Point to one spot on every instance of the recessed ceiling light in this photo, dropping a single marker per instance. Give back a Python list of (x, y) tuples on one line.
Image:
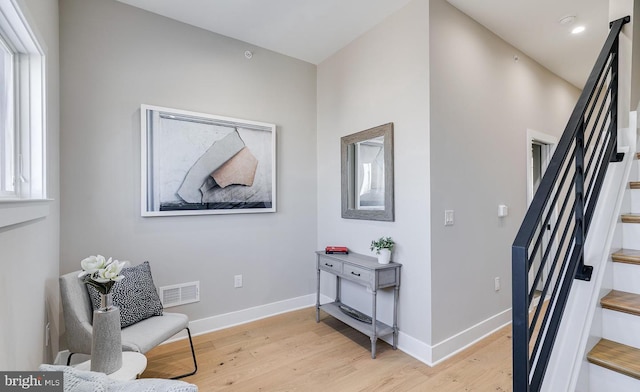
[(578, 30), (567, 20)]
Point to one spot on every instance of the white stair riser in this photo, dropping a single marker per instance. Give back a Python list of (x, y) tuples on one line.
[(626, 277), (605, 380), (621, 327), (635, 169), (635, 200), (631, 235)]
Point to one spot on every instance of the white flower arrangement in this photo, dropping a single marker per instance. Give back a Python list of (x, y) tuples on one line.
[(101, 273)]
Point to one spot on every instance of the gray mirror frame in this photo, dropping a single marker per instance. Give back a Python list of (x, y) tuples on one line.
[(347, 168)]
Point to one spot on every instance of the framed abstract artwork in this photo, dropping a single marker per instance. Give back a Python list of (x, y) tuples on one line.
[(196, 163)]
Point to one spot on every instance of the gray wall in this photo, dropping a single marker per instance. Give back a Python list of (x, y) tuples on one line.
[(381, 77), (483, 102), (116, 57), (29, 251)]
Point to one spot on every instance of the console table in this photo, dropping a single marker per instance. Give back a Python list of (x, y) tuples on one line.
[(367, 272)]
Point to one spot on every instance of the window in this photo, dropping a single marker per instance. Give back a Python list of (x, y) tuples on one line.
[(6, 121), (22, 119), (22, 108)]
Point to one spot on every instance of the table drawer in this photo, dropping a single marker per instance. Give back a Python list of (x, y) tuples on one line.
[(356, 273), (330, 265)]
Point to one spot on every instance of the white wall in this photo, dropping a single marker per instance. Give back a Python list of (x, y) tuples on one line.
[(116, 57), (483, 102), (382, 77), (29, 251)]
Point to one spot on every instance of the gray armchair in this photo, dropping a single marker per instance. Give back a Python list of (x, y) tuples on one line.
[(140, 337)]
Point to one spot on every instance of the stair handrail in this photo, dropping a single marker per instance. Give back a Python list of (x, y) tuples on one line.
[(560, 208)]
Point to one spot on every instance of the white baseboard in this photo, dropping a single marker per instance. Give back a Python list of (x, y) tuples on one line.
[(433, 355), (227, 320), (462, 340), (413, 347), (423, 352), (429, 355)]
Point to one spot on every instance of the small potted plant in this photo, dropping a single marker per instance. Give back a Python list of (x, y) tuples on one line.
[(383, 247)]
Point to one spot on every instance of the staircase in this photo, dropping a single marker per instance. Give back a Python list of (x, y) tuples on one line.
[(568, 232), (615, 359)]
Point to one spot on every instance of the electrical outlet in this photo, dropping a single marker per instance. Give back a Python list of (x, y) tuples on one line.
[(237, 281), (497, 283)]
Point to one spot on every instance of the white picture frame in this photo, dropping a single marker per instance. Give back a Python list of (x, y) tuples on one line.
[(200, 164)]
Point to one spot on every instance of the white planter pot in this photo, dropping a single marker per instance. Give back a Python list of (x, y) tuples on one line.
[(384, 256)]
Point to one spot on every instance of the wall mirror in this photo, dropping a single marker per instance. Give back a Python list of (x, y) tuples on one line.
[(367, 174)]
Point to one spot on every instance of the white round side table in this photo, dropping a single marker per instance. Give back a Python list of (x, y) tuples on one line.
[(133, 364)]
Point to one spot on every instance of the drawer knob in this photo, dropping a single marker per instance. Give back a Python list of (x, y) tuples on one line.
[(328, 265), (353, 273)]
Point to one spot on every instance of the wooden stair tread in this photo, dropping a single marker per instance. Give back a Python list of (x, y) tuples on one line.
[(631, 218), (634, 184), (622, 302), (629, 256), (617, 357)]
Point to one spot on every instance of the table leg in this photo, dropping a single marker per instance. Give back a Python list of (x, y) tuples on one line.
[(373, 347), (318, 299), (396, 292), (374, 336)]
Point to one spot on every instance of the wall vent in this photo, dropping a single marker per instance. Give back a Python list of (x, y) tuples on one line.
[(180, 294)]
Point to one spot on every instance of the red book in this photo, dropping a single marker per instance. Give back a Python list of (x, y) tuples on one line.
[(336, 249)]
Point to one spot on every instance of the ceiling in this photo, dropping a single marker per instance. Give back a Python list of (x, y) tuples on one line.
[(312, 30), (533, 27), (309, 30)]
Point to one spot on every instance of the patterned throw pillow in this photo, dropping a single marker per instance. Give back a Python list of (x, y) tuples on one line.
[(135, 295)]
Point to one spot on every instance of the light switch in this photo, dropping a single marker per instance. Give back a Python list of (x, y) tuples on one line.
[(503, 210), (448, 217)]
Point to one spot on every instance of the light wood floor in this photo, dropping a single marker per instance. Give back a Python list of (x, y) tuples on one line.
[(291, 352)]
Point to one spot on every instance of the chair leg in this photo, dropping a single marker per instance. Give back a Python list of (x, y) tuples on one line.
[(69, 359), (193, 353)]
